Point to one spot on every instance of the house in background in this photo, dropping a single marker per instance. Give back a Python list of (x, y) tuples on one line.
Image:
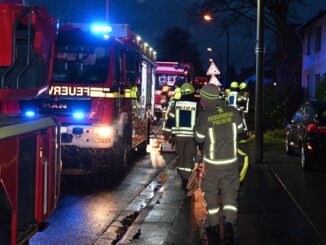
[(313, 36)]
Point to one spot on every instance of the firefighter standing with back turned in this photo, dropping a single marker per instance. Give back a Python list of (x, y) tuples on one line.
[(217, 127), (182, 120)]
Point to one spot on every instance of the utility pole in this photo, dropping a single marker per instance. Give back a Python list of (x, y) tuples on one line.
[(260, 50)]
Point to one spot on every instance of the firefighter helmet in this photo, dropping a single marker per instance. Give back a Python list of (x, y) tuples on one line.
[(243, 85), (234, 84), (177, 93), (165, 88), (187, 88), (210, 92)]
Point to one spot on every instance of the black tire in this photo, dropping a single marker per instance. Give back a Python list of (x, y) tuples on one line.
[(122, 149), (5, 218), (142, 148), (305, 159)]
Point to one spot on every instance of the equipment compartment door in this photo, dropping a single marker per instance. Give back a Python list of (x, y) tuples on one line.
[(26, 183)]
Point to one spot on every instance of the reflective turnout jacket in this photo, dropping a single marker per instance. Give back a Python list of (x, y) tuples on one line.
[(182, 118), (217, 126)]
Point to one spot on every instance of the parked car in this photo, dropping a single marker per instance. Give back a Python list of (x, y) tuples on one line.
[(305, 134)]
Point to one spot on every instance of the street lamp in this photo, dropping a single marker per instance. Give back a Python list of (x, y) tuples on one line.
[(219, 53), (208, 18)]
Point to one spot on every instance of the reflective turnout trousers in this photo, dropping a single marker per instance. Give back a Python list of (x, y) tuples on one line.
[(227, 182), (186, 150)]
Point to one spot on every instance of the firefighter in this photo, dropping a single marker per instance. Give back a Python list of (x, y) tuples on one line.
[(182, 120), (243, 98), (165, 99), (169, 111), (177, 93), (134, 92), (232, 96), (217, 127)]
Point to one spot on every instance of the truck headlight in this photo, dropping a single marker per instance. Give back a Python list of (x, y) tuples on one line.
[(107, 132)]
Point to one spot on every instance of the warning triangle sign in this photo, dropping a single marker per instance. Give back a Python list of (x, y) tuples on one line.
[(214, 80), (213, 70)]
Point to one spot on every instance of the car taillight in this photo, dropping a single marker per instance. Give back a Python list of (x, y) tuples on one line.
[(315, 128)]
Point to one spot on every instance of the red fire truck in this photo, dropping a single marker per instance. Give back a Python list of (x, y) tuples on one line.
[(30, 147), (27, 40), (101, 91), (168, 76), (29, 175)]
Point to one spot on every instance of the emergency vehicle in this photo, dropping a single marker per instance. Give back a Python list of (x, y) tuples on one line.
[(169, 75), (27, 39), (30, 147), (29, 175), (100, 90)]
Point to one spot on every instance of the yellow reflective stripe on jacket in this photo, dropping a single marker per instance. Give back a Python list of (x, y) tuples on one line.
[(221, 162), (193, 118), (185, 169), (235, 132), (171, 115), (184, 135), (213, 211), (240, 126), (199, 135), (230, 208), (183, 132), (212, 142)]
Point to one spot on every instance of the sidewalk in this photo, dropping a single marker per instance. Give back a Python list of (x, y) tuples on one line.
[(267, 215)]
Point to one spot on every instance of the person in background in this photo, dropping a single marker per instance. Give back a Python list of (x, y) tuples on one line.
[(217, 126), (232, 96)]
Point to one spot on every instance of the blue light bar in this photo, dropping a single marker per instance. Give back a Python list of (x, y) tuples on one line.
[(30, 113), (101, 28), (78, 115)]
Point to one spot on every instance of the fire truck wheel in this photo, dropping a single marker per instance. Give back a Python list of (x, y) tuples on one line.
[(5, 218), (127, 143), (120, 151)]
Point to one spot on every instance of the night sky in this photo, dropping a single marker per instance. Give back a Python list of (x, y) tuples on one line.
[(151, 18)]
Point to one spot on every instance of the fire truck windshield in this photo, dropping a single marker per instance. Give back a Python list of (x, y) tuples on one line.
[(169, 80), (80, 63)]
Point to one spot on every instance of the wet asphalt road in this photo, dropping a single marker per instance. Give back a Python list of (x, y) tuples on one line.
[(306, 187), (83, 214), (82, 218)]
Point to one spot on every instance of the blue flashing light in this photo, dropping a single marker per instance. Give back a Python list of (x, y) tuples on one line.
[(30, 113), (101, 29), (78, 115), (106, 37)]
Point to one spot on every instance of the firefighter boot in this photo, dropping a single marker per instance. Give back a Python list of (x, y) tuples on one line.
[(212, 234), (228, 234)]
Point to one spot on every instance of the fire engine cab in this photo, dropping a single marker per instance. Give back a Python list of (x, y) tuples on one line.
[(101, 89), (169, 76)]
